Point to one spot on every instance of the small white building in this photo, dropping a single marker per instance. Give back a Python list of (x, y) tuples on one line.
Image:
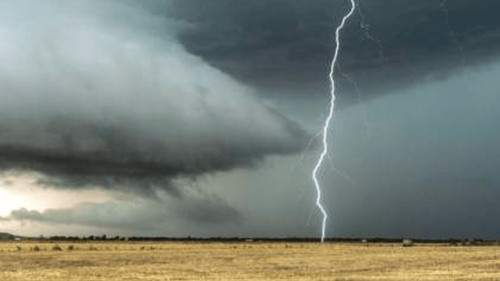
[(407, 243)]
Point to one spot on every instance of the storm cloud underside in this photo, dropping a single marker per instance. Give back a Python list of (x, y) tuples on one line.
[(284, 46), (134, 96), (89, 99)]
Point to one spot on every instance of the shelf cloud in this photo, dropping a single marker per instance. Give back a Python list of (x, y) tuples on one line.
[(92, 96)]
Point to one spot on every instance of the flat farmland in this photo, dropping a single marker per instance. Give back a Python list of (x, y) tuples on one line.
[(245, 261)]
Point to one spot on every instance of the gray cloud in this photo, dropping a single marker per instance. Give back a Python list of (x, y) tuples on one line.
[(423, 164), (144, 215), (91, 214), (126, 104), (280, 44), (209, 210), (91, 95)]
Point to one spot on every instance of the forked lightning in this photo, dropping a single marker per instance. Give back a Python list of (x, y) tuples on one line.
[(328, 120)]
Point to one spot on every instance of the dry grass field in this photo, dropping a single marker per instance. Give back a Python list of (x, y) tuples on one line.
[(245, 261)]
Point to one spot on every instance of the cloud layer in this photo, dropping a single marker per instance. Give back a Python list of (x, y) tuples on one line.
[(142, 214), (387, 45), (93, 95)]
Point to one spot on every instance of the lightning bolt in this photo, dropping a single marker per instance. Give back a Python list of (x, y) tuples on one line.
[(328, 119)]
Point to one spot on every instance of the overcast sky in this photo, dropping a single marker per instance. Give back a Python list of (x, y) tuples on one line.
[(200, 118)]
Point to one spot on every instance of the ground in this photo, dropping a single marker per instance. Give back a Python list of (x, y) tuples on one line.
[(246, 261)]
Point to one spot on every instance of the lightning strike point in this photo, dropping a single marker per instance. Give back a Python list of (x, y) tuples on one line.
[(328, 119)]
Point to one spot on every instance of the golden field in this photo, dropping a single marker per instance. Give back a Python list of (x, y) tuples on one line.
[(245, 261)]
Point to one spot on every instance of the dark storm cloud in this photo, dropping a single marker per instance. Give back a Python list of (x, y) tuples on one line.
[(93, 96), (154, 94), (283, 44)]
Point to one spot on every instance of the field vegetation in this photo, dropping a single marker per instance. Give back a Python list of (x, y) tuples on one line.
[(245, 261)]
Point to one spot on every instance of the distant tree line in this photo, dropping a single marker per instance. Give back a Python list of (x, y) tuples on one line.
[(104, 237)]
